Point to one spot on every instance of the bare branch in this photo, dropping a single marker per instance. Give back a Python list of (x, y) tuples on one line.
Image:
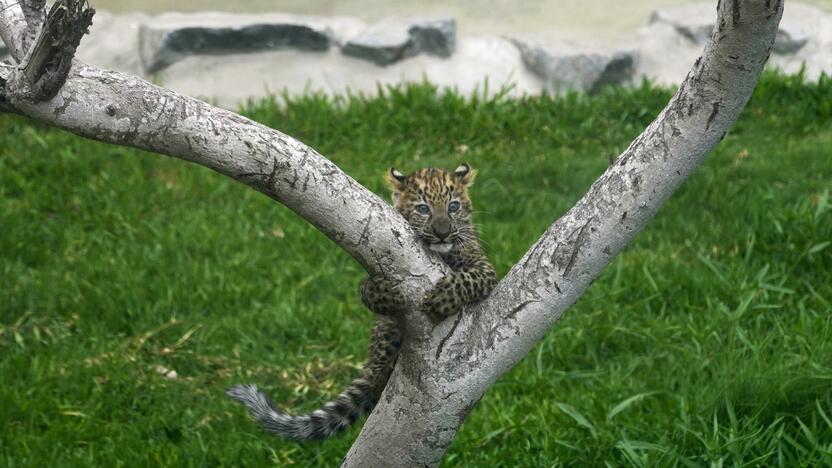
[(125, 110)]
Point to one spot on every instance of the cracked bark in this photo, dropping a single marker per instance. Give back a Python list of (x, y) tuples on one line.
[(442, 371), (44, 69), (15, 29)]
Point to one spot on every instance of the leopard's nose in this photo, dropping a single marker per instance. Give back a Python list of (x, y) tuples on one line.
[(442, 227)]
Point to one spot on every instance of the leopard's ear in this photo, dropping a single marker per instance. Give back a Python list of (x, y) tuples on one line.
[(395, 179), (465, 174)]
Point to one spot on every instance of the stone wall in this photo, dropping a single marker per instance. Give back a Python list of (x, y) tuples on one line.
[(229, 58)]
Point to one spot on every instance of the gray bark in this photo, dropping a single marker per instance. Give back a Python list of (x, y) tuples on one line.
[(15, 29), (43, 70), (442, 371)]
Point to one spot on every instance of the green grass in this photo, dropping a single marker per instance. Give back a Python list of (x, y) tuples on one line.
[(707, 342)]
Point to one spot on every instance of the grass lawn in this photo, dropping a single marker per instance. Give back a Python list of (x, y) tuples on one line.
[(707, 342)]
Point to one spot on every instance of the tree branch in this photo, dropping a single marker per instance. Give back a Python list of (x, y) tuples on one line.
[(125, 110)]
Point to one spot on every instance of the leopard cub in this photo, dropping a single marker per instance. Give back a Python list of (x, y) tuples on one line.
[(437, 206), (435, 202)]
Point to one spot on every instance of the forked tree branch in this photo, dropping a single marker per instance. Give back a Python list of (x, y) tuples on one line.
[(443, 371), (429, 394)]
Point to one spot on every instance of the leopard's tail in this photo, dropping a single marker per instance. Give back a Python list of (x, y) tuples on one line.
[(358, 399)]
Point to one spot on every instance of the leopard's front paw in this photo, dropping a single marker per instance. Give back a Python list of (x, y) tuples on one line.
[(443, 300)]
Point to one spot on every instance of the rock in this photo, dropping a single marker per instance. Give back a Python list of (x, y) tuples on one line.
[(793, 33), (435, 37), (814, 58), (173, 36), (3, 49), (789, 41), (564, 66), (696, 21), (664, 55), (673, 40), (393, 39), (113, 42), (230, 58), (481, 65)]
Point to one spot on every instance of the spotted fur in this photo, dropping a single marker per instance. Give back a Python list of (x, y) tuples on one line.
[(435, 202)]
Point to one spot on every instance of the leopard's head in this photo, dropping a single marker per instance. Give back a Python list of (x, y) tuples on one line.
[(435, 202)]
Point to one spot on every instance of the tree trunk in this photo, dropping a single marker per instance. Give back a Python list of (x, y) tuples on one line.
[(442, 371)]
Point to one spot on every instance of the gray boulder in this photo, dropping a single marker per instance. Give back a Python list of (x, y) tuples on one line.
[(664, 55), (229, 80), (796, 28), (696, 22), (814, 58), (173, 36), (394, 39), (564, 66), (790, 38)]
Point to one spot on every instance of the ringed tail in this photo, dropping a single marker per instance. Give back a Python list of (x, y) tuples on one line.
[(357, 400), (332, 418)]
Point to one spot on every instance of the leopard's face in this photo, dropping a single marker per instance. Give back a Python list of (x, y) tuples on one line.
[(435, 202)]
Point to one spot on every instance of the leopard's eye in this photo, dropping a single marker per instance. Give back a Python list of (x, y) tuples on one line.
[(453, 207), (422, 209)]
